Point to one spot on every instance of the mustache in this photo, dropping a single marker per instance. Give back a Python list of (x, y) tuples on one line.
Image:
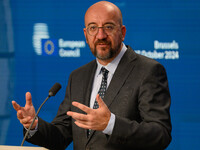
[(102, 42)]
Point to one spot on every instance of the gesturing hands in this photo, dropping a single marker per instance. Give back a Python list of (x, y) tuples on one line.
[(26, 114), (95, 119)]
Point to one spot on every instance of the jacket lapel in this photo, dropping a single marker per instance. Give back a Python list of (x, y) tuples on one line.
[(88, 82), (124, 68), (87, 85)]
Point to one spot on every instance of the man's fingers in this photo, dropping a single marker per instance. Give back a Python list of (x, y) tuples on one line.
[(81, 125), (28, 99), (26, 125), (19, 115), (16, 106), (100, 101), (82, 107), (26, 120), (77, 116)]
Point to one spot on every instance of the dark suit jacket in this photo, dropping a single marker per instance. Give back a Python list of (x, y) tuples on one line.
[(138, 95)]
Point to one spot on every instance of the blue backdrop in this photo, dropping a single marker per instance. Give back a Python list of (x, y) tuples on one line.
[(42, 41)]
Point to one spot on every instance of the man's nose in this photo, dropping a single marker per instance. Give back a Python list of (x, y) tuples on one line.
[(101, 34)]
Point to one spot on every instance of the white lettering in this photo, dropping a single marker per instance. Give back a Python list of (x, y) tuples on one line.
[(171, 55), (69, 53), (159, 55), (150, 54), (166, 45), (71, 44)]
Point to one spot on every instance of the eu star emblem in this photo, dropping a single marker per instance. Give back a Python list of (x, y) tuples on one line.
[(49, 47)]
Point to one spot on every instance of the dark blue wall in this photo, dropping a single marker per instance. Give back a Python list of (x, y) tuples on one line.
[(167, 30)]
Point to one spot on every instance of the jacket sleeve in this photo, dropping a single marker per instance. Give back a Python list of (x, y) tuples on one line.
[(57, 134), (154, 129)]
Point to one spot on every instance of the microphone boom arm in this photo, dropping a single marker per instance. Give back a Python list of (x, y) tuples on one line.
[(34, 120), (52, 92)]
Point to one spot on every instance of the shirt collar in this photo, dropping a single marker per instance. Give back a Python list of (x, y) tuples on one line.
[(112, 66)]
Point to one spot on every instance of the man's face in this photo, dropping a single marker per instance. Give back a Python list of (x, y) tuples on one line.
[(105, 44)]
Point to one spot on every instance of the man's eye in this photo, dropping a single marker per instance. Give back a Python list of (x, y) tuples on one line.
[(92, 28), (109, 27)]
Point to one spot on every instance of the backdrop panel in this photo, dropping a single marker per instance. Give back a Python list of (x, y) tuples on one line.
[(42, 41)]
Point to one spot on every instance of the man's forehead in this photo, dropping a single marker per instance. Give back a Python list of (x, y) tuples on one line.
[(100, 17)]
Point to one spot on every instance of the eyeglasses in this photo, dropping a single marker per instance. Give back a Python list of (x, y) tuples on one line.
[(93, 29)]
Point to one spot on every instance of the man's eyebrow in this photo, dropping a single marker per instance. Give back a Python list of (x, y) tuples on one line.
[(109, 23), (93, 23)]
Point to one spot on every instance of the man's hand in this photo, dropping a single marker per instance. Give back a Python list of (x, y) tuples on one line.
[(95, 119), (26, 114)]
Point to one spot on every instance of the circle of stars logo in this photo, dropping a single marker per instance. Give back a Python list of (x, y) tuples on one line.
[(49, 47)]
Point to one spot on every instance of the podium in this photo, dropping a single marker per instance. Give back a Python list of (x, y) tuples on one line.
[(3, 147)]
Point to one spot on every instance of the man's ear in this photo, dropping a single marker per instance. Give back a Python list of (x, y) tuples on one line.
[(85, 33), (123, 29)]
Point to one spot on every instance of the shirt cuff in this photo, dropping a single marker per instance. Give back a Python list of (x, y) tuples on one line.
[(32, 132), (108, 130)]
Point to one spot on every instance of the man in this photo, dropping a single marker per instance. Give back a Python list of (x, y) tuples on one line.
[(134, 112)]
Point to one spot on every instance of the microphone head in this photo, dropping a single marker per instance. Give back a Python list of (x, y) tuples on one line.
[(54, 89)]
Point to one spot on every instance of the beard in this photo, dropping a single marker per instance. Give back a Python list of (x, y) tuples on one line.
[(107, 53)]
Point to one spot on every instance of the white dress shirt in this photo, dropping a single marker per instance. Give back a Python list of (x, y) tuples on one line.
[(111, 67)]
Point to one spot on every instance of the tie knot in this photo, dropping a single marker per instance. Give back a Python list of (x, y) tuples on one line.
[(104, 72)]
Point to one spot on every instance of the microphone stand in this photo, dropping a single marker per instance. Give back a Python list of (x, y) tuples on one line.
[(34, 120)]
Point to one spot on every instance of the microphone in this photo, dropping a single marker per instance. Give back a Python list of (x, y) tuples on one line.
[(54, 89), (52, 92)]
